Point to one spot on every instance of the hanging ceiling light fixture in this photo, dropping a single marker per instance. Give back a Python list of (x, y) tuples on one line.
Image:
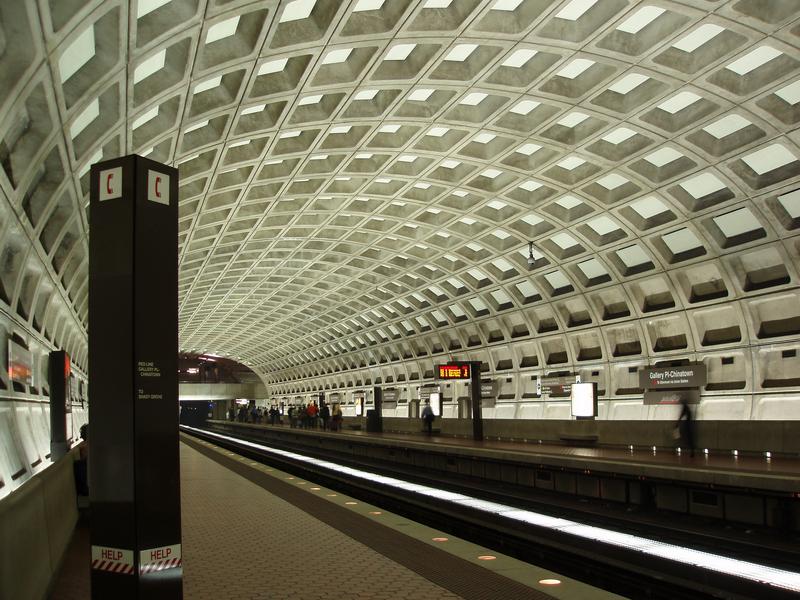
[(531, 260)]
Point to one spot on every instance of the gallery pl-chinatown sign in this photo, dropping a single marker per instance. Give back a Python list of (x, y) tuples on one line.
[(685, 376)]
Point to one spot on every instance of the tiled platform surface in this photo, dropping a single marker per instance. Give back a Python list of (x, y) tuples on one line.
[(242, 541)]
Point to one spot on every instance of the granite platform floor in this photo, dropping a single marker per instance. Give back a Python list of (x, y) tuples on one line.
[(252, 532)]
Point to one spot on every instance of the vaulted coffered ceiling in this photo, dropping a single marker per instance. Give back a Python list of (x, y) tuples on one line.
[(360, 178)]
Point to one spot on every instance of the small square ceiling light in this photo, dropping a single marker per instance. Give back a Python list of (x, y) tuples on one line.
[(297, 10), (208, 84), (420, 95), (368, 5), (753, 60), (150, 65), (145, 7), (222, 30), (524, 107), (678, 102), (640, 19), (400, 51), (575, 68), (519, 58), (698, 37), (506, 5), (769, 158), (273, 66), (83, 120), (77, 54), (575, 9), (335, 57), (461, 52)]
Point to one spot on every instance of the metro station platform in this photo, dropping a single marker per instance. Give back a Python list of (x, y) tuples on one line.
[(779, 473), (252, 531), (746, 497), (724, 469)]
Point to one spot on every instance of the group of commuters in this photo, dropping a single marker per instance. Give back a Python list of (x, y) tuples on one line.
[(310, 416), (244, 415), (254, 414)]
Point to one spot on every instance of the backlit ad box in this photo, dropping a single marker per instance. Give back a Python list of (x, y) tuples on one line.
[(584, 400)]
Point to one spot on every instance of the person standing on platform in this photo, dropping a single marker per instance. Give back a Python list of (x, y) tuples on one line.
[(312, 411), (324, 415), (337, 418), (81, 466), (685, 426), (428, 416)]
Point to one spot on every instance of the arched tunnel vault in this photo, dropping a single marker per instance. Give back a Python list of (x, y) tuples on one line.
[(360, 181)]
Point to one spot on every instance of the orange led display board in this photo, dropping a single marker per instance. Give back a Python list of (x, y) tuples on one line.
[(454, 371)]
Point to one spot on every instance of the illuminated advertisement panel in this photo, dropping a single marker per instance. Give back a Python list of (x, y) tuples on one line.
[(584, 400), (20, 364), (358, 398), (436, 403)]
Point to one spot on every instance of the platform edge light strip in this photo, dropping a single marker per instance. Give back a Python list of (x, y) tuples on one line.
[(780, 578)]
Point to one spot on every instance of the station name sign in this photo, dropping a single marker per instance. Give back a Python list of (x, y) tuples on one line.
[(488, 389), (686, 376), (455, 370)]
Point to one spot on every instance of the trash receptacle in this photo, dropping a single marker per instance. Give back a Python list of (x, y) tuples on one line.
[(464, 408), (374, 424)]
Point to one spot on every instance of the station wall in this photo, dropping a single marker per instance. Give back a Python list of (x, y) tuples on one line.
[(25, 409), (749, 346)]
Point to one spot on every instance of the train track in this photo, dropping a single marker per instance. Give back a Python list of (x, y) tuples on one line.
[(626, 556)]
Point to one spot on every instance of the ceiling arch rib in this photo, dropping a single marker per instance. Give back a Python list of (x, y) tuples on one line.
[(360, 180)]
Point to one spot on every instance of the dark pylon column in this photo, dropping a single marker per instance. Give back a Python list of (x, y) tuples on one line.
[(377, 423), (60, 402), (475, 393), (134, 482)]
